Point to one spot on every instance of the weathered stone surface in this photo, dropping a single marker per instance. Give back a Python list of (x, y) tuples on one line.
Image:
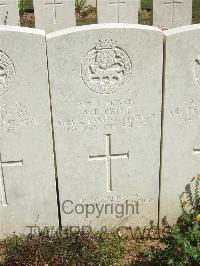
[(172, 13), (181, 138), (106, 83), (27, 179), (53, 15), (9, 12), (117, 11)]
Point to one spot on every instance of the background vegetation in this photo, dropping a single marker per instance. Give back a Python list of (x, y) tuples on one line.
[(145, 16)]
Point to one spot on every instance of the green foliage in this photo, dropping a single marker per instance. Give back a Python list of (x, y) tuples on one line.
[(145, 17), (64, 248), (25, 5), (196, 11), (83, 9), (147, 4), (182, 245)]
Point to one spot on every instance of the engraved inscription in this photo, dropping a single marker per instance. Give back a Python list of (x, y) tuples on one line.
[(7, 72), (15, 115), (2, 177), (113, 115), (196, 70), (108, 157), (105, 68), (189, 112), (108, 198)]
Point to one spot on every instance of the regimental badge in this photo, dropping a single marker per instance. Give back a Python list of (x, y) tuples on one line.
[(7, 73), (106, 67)]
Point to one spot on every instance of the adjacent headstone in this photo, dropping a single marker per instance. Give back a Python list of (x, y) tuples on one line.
[(53, 15), (172, 13), (27, 178), (139, 4), (9, 12), (117, 11), (106, 83), (181, 132)]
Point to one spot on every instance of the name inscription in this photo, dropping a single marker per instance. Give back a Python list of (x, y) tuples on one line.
[(132, 198), (112, 115), (15, 115), (188, 113)]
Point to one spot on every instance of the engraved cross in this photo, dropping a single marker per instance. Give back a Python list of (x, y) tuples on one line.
[(2, 177), (2, 4), (172, 3), (118, 3), (54, 4), (196, 151), (108, 157)]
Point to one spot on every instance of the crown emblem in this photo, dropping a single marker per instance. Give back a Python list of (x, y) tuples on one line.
[(106, 44)]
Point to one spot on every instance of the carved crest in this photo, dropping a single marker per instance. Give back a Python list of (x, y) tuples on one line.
[(7, 72), (196, 69), (106, 67)]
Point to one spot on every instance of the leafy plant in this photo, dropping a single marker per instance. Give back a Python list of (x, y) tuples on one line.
[(82, 8), (145, 17), (147, 4), (182, 245), (25, 5)]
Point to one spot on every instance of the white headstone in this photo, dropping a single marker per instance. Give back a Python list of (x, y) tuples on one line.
[(106, 83), (181, 139), (117, 11), (172, 13), (53, 15), (27, 179), (9, 12)]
